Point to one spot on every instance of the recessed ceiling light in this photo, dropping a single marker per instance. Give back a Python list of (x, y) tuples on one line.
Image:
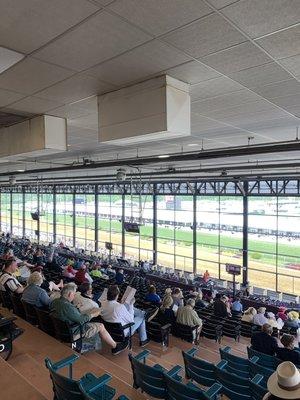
[(193, 144), (8, 58), (164, 156), (20, 170)]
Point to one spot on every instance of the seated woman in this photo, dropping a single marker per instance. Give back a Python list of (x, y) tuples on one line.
[(69, 272), (166, 314), (177, 297), (293, 320), (83, 299), (249, 314), (34, 294), (82, 276), (273, 322), (95, 272), (287, 353), (152, 297)]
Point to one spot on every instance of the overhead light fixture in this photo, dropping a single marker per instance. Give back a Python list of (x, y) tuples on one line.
[(193, 144), (164, 156), (20, 170), (8, 58)]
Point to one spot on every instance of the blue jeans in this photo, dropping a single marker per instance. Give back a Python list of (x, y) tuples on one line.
[(139, 323)]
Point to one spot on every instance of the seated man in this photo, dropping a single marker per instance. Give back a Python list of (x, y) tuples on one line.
[(264, 342), (62, 308), (259, 318), (112, 311), (287, 353), (220, 308), (120, 277), (237, 306), (8, 283), (186, 315)]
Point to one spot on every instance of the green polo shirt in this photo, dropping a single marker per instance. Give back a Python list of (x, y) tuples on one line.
[(62, 309)]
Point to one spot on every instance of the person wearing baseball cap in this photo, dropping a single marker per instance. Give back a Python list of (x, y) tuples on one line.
[(284, 383)]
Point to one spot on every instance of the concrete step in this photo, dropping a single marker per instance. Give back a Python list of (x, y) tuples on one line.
[(29, 368), (15, 386)]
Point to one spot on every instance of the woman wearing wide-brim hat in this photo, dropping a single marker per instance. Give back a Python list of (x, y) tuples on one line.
[(284, 383)]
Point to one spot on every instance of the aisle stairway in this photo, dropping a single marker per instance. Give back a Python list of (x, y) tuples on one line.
[(34, 346)]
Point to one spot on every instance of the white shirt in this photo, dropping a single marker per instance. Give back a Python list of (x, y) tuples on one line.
[(112, 311), (260, 319)]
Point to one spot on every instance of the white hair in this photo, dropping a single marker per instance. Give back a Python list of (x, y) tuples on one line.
[(67, 289)]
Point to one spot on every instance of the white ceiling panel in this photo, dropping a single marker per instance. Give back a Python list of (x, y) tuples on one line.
[(262, 75), (282, 44), (254, 107), (242, 120), (259, 17), (75, 88), (292, 64), (160, 16), (224, 101), (192, 72), (221, 3), (139, 63), (98, 39), (242, 56), (279, 89), (30, 75), (214, 87), (215, 33), (78, 109), (34, 105), (287, 101), (27, 25), (8, 97)]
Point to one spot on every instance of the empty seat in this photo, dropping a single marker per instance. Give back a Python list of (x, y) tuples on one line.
[(263, 359), (17, 305), (45, 322), (30, 313), (180, 391), (200, 371), (257, 390), (235, 364), (66, 388)]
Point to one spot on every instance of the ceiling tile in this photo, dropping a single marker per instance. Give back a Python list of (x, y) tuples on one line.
[(30, 75), (215, 33), (261, 75), (160, 16), (244, 119), (138, 63), (75, 88), (287, 101), (7, 97), (224, 101), (279, 89), (77, 109), (282, 44), (98, 39), (27, 25), (257, 106), (236, 58), (221, 3), (192, 72), (33, 105), (214, 87), (292, 64), (259, 17)]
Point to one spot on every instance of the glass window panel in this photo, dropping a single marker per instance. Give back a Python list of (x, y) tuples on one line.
[(262, 279), (110, 221), (31, 206), (85, 221), (64, 219), (17, 214), (46, 217), (5, 212)]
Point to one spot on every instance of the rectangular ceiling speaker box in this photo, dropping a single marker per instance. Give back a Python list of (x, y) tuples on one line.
[(156, 109), (38, 136)]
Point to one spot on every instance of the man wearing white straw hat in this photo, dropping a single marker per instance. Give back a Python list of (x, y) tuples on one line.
[(284, 383)]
